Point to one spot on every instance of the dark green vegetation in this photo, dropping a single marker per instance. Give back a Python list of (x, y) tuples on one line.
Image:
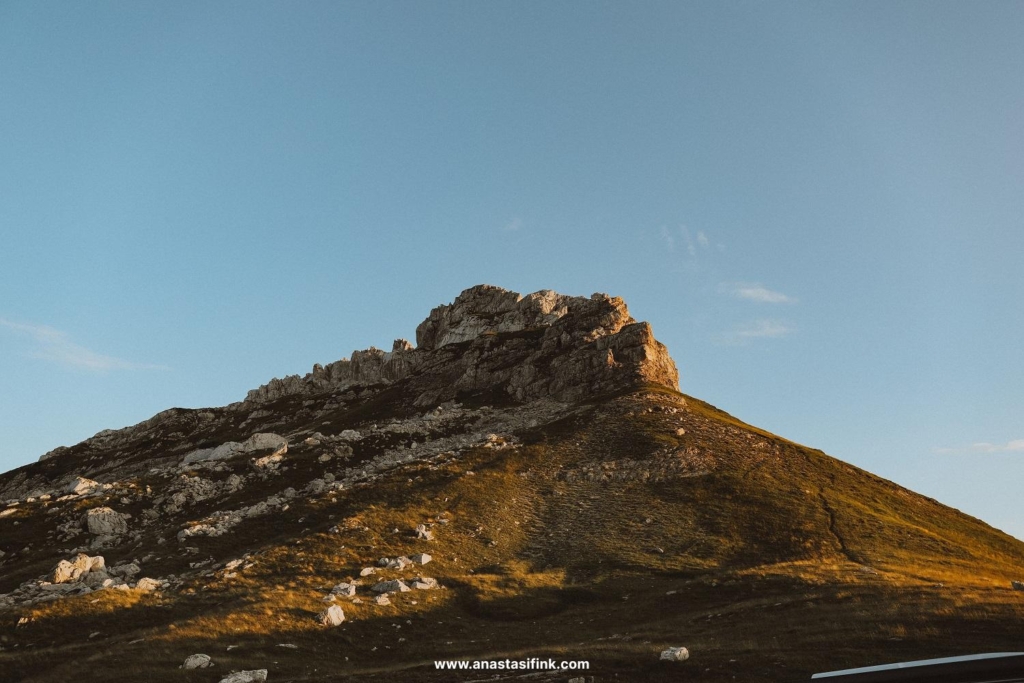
[(644, 521)]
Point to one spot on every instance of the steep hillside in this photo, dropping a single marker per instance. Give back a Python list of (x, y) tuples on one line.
[(572, 502)]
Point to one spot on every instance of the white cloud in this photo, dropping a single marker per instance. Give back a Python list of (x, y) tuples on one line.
[(1014, 446), (702, 239), (54, 345), (756, 292), (690, 248), (513, 225), (670, 241), (757, 329)]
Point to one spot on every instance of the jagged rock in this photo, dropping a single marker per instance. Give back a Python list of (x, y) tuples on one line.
[(332, 616), (393, 586), (575, 346), (675, 654), (424, 583), (147, 584), (126, 571), (423, 533), (394, 562), (421, 558), (1017, 585), (382, 599), (197, 662), (81, 485), (345, 589), (97, 579), (65, 572), (105, 522), (367, 571), (82, 562), (253, 676)]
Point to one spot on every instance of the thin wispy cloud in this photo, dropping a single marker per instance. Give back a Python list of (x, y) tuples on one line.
[(513, 225), (686, 240), (1014, 446), (754, 330), (668, 239), (756, 292), (53, 345)]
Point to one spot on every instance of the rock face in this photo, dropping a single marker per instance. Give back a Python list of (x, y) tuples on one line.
[(542, 345), (278, 445), (105, 522)]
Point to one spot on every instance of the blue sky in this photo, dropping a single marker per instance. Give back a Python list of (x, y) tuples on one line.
[(818, 206)]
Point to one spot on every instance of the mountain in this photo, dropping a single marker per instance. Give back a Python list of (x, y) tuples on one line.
[(526, 482)]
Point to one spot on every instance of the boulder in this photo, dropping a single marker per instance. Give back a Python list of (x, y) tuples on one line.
[(345, 589), (675, 654), (105, 522), (65, 572), (423, 533), (147, 584), (82, 561), (1017, 585), (424, 583), (382, 599), (367, 571), (254, 676), (125, 571), (421, 558), (393, 586), (197, 662), (332, 616), (96, 579)]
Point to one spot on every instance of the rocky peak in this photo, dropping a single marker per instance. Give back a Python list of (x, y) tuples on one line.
[(489, 309), (541, 345)]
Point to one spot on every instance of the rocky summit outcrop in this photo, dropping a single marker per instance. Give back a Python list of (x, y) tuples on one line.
[(544, 345)]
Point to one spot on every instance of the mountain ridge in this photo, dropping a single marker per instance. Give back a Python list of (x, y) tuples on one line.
[(569, 498)]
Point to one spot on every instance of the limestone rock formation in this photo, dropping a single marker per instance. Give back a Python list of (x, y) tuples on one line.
[(542, 345)]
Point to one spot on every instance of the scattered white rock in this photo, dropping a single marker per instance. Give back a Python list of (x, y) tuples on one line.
[(421, 558), (346, 589), (197, 662), (423, 533), (367, 571), (424, 583), (382, 600), (393, 586), (675, 654), (332, 616)]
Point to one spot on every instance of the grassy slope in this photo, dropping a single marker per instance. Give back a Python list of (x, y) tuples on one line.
[(779, 562)]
